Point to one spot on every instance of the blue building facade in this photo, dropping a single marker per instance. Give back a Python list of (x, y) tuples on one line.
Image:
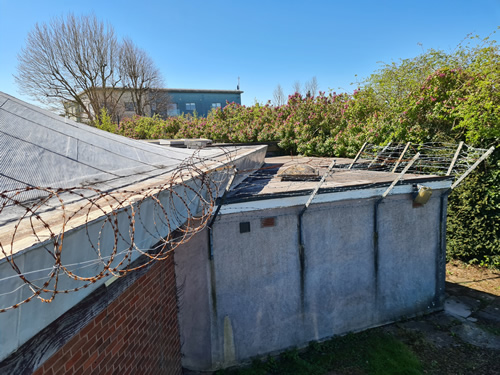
[(188, 101)]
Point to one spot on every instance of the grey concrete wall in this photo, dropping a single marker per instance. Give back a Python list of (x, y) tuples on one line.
[(340, 281), (264, 298), (257, 286), (193, 284), (408, 258)]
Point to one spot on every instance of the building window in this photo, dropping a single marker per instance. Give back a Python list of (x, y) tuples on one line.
[(172, 109), (216, 105), (129, 106), (190, 106)]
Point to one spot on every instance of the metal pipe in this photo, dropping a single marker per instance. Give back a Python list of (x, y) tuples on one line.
[(216, 213)]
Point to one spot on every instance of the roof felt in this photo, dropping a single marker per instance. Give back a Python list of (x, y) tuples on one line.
[(269, 182)]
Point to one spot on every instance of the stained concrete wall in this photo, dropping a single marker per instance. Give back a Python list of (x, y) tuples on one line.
[(192, 269), (261, 296)]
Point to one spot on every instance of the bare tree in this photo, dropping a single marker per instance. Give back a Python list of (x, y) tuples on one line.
[(297, 87), (142, 80), (279, 97), (77, 63), (311, 87)]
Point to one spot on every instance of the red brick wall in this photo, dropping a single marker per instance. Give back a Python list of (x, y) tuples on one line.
[(137, 333)]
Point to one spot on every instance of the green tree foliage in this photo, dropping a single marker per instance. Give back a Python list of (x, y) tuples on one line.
[(104, 122), (453, 97), (149, 127)]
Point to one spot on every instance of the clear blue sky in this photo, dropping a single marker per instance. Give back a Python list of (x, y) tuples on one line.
[(208, 44)]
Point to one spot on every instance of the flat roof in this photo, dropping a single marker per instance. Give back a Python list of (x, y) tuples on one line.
[(267, 182), (203, 91)]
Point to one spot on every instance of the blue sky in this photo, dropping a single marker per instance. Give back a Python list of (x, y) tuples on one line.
[(209, 44)]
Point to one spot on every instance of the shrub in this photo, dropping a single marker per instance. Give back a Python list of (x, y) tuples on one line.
[(474, 216)]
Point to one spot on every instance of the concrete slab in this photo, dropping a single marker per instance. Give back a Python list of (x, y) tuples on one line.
[(474, 335), (454, 306), (490, 313)]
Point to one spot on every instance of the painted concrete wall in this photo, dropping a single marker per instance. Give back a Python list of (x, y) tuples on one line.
[(193, 283), (262, 297)]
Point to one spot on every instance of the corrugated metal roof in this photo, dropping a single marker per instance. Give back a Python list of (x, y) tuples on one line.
[(39, 148)]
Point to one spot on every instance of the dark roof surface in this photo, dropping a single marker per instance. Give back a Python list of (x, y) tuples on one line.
[(268, 181)]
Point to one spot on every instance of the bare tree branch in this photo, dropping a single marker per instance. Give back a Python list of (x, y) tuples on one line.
[(142, 79), (78, 62), (297, 88), (311, 87), (279, 97)]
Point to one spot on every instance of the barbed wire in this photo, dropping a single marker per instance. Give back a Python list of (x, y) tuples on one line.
[(435, 158)]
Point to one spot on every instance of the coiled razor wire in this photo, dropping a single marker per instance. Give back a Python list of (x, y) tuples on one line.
[(191, 191)]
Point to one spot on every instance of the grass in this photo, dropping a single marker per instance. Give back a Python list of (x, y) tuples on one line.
[(369, 352)]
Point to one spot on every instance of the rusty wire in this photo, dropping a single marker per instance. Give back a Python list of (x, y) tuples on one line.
[(182, 205)]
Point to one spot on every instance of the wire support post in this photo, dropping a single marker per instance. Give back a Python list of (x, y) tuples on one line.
[(401, 175), (316, 189), (455, 157), (379, 155), (358, 155), (478, 161), (401, 157)]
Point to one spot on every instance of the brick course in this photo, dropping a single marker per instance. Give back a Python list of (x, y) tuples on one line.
[(137, 333)]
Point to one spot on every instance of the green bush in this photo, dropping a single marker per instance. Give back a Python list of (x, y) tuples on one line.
[(474, 216), (150, 127), (104, 122)]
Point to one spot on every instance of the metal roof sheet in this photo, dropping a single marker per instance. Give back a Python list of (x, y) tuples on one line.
[(39, 148)]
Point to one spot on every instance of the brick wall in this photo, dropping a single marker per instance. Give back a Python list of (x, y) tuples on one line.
[(137, 333)]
